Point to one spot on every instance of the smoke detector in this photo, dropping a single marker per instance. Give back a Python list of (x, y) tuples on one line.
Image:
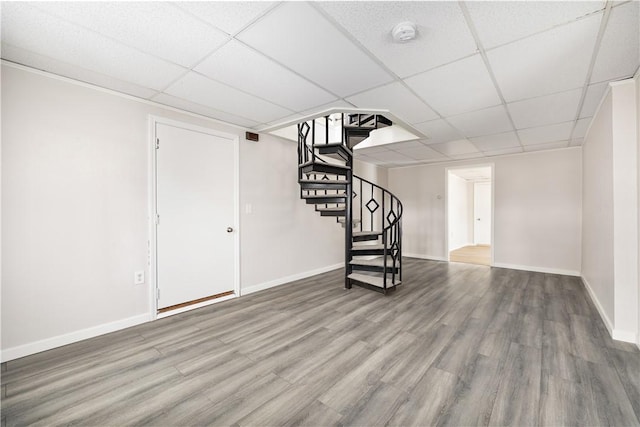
[(404, 32)]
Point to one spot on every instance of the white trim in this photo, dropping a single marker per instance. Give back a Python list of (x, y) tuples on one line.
[(429, 257), (538, 269), (626, 336), (71, 337), (596, 302), (288, 279), (124, 95), (154, 120), (194, 306)]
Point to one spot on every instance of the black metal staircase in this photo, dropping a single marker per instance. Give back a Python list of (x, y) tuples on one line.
[(371, 216)]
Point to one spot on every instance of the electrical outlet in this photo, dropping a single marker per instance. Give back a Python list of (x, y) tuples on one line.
[(138, 278)]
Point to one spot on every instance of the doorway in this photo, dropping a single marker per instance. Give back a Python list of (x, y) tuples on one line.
[(469, 214), (194, 207)]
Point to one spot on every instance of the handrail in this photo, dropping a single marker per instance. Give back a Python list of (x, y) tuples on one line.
[(393, 196)]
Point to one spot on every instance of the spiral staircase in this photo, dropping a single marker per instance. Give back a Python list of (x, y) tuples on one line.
[(371, 215)]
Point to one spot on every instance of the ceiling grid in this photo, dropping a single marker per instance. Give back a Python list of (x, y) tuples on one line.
[(481, 78)]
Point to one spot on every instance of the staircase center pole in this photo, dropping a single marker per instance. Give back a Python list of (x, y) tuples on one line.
[(348, 222)]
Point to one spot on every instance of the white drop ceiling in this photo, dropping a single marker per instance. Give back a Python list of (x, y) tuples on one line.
[(481, 79)]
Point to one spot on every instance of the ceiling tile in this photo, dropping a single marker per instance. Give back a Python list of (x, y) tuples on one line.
[(397, 99), (556, 108), (452, 148), (241, 67), (547, 146), (503, 151), (421, 153), (619, 54), (27, 28), (229, 16), (405, 145), (54, 66), (456, 88), (371, 150), (542, 134), (183, 104), (482, 122), (495, 142), (442, 32), (296, 35), (438, 131), (197, 88), (466, 156), (580, 130), (502, 22), (156, 28), (549, 62), (594, 95), (390, 156)]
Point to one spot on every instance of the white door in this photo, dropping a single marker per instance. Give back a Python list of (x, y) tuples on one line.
[(195, 202), (482, 213)]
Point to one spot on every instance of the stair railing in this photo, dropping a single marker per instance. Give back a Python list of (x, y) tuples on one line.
[(379, 209), (388, 218)]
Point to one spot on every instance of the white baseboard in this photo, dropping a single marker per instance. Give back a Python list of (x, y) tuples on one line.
[(537, 269), (287, 279), (626, 336), (421, 256), (60, 340), (596, 302), (616, 334)]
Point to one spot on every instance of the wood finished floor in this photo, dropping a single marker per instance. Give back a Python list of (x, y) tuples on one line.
[(474, 254), (456, 344)]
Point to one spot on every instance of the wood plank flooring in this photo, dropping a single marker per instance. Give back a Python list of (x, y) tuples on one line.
[(456, 344), (474, 254)]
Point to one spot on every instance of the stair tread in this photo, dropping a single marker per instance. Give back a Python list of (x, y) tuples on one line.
[(334, 144), (367, 247), (310, 163), (324, 196), (366, 233), (334, 209), (323, 181), (378, 262), (373, 280)]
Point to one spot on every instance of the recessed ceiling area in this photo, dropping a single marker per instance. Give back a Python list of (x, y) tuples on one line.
[(480, 79)]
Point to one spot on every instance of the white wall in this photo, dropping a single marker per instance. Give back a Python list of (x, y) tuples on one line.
[(597, 202), (460, 203), (537, 210), (75, 206), (374, 173), (610, 210)]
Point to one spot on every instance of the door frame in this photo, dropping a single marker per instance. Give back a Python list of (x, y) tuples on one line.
[(152, 247), (446, 205)]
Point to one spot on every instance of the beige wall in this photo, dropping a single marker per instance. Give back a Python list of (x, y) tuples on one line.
[(75, 227), (537, 210)]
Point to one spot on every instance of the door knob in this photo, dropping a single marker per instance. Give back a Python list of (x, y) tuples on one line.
[(229, 230)]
